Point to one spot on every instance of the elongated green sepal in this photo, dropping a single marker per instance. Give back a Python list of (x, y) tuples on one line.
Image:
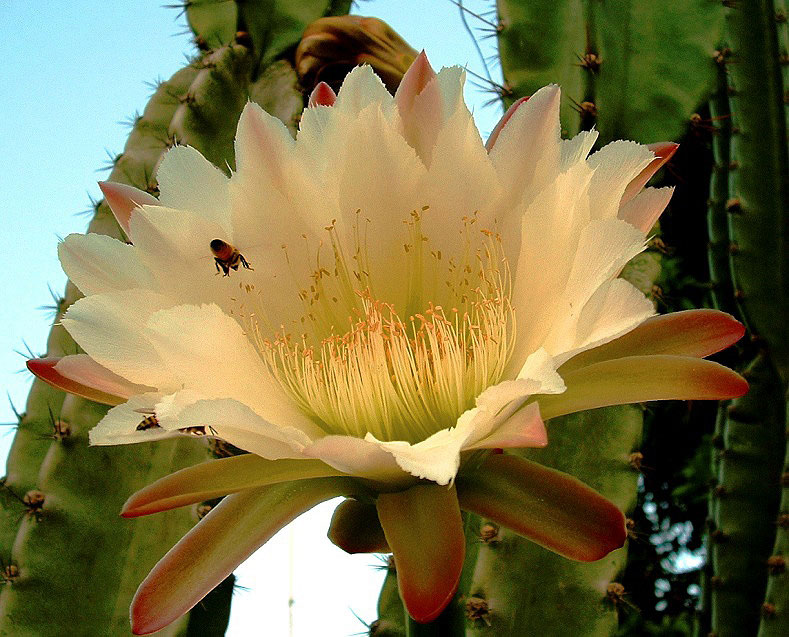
[(423, 527), (220, 477), (230, 533), (546, 506)]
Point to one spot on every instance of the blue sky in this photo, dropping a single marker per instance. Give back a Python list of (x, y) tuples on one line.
[(70, 76)]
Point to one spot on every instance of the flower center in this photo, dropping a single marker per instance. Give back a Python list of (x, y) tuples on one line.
[(400, 373), (399, 380)]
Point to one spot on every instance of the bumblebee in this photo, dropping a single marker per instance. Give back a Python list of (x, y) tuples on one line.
[(196, 431), (149, 422), (226, 257), (193, 431)]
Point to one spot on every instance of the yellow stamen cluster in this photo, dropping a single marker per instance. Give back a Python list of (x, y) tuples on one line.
[(400, 380)]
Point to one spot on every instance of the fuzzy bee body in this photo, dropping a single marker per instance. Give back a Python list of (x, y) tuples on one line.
[(149, 422), (196, 431), (227, 257)]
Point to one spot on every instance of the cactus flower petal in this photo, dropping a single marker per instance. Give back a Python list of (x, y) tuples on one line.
[(96, 263), (216, 478), (494, 135), (79, 374), (547, 506), (526, 150), (643, 210), (322, 95), (123, 199), (698, 333), (206, 193), (663, 152), (423, 527), (355, 528), (643, 378), (230, 533)]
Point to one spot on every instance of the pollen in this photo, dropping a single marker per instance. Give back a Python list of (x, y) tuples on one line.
[(397, 379)]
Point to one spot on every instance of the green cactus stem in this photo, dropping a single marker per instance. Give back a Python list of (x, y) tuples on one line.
[(722, 289), (775, 610), (36, 429), (208, 112), (759, 188), (746, 494), (639, 69)]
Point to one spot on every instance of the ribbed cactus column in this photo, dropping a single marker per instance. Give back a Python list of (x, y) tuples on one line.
[(746, 501), (746, 553), (70, 537), (650, 60)]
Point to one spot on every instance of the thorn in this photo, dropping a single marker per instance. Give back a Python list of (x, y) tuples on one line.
[(477, 610), (635, 460), (768, 610), (13, 407), (776, 564), (489, 533)]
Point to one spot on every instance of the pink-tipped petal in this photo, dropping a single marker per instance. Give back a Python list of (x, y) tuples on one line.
[(416, 78), (503, 122), (637, 379), (643, 210), (230, 533), (696, 333), (663, 152), (216, 478), (322, 95), (425, 531), (524, 428), (79, 374), (123, 199), (420, 104), (549, 507)]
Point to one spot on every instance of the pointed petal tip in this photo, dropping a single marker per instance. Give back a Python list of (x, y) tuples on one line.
[(40, 366), (738, 387), (123, 199), (322, 95), (503, 121), (664, 150), (414, 81)]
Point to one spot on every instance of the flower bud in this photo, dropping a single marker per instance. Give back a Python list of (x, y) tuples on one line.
[(330, 47)]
